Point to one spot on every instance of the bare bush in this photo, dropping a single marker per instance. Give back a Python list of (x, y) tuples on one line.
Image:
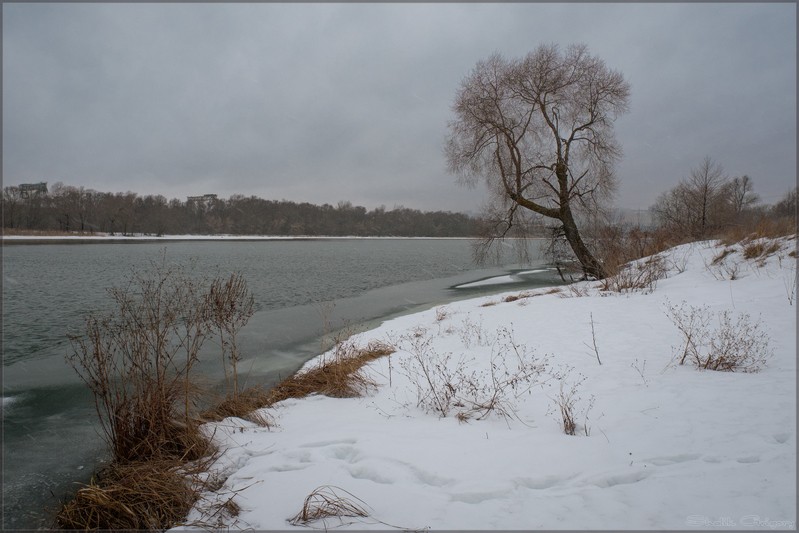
[(444, 385), (137, 361), (472, 333), (641, 275), (734, 346), (229, 306)]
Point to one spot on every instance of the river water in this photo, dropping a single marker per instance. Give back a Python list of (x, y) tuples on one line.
[(50, 435)]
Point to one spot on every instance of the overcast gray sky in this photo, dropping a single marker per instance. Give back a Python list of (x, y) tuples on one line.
[(330, 102)]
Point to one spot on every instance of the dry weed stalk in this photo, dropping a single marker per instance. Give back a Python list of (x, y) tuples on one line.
[(641, 369), (593, 339), (567, 401)]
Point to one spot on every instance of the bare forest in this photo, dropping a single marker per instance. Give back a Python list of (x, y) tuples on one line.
[(76, 209)]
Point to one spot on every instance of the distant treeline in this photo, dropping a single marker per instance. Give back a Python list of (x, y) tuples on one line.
[(67, 208)]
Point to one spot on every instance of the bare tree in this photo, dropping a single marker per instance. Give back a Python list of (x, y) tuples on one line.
[(699, 204), (539, 131), (707, 182), (786, 207), (741, 194)]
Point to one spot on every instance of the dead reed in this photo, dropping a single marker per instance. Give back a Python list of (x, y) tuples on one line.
[(143, 495), (329, 502)]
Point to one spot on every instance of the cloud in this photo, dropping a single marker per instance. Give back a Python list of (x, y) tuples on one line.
[(329, 102)]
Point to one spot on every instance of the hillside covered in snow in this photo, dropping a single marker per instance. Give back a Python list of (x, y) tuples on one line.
[(589, 406)]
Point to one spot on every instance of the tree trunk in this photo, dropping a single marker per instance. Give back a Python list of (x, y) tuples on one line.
[(590, 265)]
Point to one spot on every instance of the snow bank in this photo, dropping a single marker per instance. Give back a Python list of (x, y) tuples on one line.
[(657, 445)]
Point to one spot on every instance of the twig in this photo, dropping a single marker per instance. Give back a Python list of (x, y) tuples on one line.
[(593, 339)]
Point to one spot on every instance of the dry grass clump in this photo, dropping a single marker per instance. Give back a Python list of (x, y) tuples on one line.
[(244, 405), (760, 248), (338, 376), (143, 495), (329, 502)]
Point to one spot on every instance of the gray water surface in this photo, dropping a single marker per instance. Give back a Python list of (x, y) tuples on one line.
[(50, 438)]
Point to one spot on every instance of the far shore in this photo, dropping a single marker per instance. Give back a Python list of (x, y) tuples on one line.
[(136, 239)]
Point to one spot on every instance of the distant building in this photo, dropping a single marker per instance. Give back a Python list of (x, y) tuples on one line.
[(28, 189), (203, 200)]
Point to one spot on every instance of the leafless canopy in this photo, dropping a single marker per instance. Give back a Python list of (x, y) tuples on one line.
[(539, 131)]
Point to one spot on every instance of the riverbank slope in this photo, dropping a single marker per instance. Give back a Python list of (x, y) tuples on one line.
[(465, 428)]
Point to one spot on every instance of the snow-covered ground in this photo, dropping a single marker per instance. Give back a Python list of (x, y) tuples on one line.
[(657, 445)]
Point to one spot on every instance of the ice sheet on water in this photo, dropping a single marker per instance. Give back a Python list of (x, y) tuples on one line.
[(500, 280), (7, 401)]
